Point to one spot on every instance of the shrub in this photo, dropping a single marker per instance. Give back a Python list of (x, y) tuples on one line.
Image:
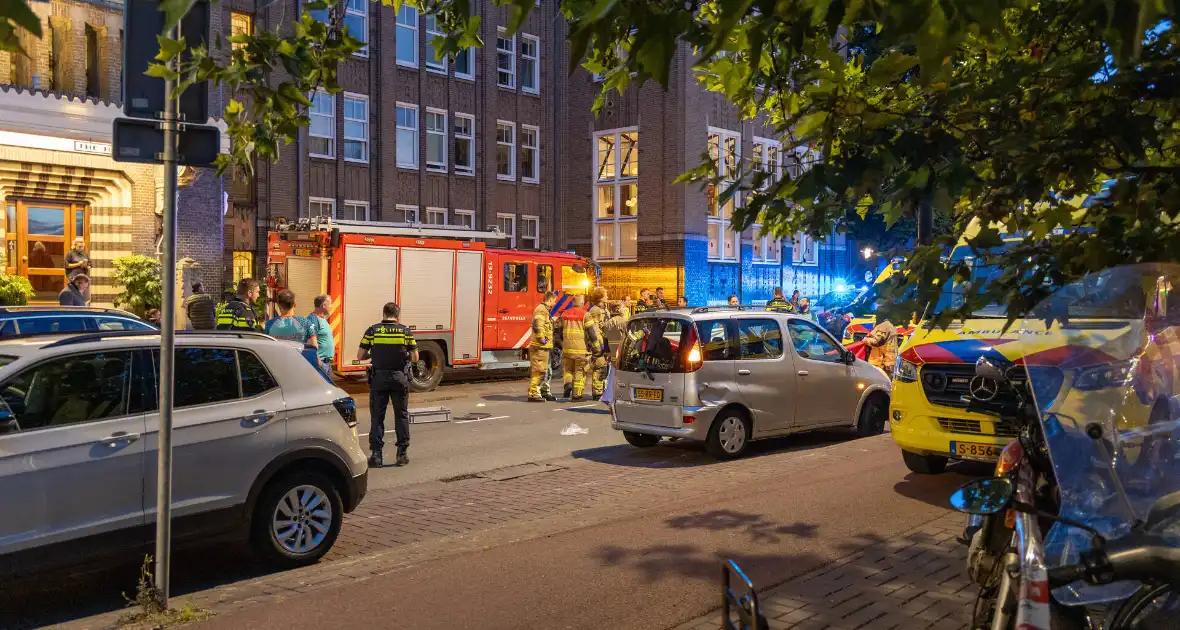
[(14, 290), (140, 279)]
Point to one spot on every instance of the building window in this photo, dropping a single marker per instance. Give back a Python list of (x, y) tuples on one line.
[(407, 36), (464, 218), (465, 64), (354, 211), (767, 248), (616, 187), (322, 133), (240, 24), (356, 127), (434, 63), (506, 150), (530, 154), (464, 144), (804, 251), (405, 214), (766, 160), (321, 207), (436, 216), (243, 266), (356, 20), (507, 224), (530, 232), (92, 62), (725, 151), (436, 140), (530, 64), (407, 135), (505, 59)]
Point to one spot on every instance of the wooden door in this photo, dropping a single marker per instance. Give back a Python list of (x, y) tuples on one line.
[(44, 233)]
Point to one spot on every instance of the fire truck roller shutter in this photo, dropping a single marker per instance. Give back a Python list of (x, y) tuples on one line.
[(427, 286), (370, 280), (468, 290), (305, 280)]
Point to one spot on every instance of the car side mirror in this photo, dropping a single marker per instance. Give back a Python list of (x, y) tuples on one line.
[(849, 357), (990, 495)]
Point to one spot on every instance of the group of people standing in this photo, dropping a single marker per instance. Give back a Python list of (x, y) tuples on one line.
[(587, 337)]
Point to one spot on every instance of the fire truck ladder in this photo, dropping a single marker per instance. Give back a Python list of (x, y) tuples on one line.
[(384, 228)]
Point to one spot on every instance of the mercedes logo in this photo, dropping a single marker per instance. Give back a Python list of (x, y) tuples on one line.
[(984, 388)]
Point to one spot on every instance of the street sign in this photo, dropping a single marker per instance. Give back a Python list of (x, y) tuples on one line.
[(143, 96), (139, 140)]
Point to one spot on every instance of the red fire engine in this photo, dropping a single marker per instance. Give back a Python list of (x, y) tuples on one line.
[(470, 306)]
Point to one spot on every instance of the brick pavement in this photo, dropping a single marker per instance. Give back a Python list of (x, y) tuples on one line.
[(915, 580)]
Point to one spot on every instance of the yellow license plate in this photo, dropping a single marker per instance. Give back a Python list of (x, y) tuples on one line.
[(649, 394), (979, 451)]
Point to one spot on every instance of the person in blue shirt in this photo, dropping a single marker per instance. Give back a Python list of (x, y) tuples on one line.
[(318, 320), (287, 326)]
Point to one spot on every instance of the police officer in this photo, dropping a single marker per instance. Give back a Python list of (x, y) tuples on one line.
[(393, 349), (539, 348), (238, 313), (779, 303)]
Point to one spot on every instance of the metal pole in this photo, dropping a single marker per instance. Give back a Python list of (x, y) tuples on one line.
[(167, 345)]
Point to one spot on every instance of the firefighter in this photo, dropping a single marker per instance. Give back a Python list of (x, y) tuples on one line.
[(596, 339), (238, 313), (573, 349), (539, 349), (778, 303), (393, 349)]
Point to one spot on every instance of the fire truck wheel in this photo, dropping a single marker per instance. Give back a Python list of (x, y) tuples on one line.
[(432, 360)]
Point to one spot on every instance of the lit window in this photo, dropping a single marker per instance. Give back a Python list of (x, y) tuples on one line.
[(405, 214), (530, 64), (434, 62), (240, 24), (505, 59), (465, 64), (725, 150), (436, 216), (464, 218), (407, 135), (321, 207), (436, 140), (354, 211), (464, 144), (507, 223), (530, 232), (356, 127), (243, 266), (407, 36), (322, 132), (530, 154), (616, 195), (506, 150), (356, 21)]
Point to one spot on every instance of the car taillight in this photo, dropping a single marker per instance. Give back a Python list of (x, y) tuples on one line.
[(692, 358), (346, 407)]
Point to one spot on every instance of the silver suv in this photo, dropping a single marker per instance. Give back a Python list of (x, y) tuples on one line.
[(729, 375), (263, 447)]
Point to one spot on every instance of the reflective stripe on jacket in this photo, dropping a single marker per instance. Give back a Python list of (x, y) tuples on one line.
[(573, 331), (542, 327), (237, 315)]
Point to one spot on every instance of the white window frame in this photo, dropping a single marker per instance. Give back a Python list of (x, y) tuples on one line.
[(764, 242), (511, 52), (365, 141), (412, 29), (465, 213), (535, 237), (313, 200), (407, 208), (727, 169), (536, 149), (417, 134), (804, 251), (468, 76), (511, 177), (512, 235), (432, 210), (362, 204), (536, 59), (364, 15), (470, 147), (617, 180), (331, 155), (437, 166), (437, 66)]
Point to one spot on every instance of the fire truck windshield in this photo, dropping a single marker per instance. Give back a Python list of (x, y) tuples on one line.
[(575, 281)]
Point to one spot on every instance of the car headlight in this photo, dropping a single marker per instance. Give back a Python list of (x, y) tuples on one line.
[(1103, 376), (905, 372)]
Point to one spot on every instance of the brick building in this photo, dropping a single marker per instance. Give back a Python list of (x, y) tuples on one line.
[(620, 205)]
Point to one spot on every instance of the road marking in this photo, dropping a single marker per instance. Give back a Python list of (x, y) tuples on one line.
[(482, 419), (593, 404)]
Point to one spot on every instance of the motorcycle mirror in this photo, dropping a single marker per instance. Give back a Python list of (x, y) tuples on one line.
[(991, 368), (984, 496)]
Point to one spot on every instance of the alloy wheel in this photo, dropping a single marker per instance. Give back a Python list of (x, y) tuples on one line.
[(302, 519)]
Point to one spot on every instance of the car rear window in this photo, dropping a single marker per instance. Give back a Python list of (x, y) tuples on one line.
[(655, 345)]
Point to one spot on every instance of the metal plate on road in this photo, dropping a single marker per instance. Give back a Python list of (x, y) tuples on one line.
[(513, 472), (644, 393)]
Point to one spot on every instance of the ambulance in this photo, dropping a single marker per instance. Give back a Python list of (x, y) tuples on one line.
[(864, 307), (470, 305)]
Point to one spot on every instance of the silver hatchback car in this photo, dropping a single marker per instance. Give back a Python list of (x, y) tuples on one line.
[(263, 447), (729, 375)]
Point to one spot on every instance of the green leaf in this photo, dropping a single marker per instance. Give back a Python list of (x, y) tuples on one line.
[(169, 48), (292, 93), (163, 72), (890, 67), (173, 11)]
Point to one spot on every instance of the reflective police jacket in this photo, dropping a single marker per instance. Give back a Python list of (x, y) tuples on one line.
[(780, 304), (237, 315), (389, 345)]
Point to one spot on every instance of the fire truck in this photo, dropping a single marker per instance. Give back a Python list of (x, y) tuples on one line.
[(470, 306)]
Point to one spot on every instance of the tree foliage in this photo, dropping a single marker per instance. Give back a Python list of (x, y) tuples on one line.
[(140, 278)]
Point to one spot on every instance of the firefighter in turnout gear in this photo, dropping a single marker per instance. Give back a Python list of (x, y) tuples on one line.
[(238, 313), (539, 349), (573, 348), (779, 303), (393, 350), (596, 341)]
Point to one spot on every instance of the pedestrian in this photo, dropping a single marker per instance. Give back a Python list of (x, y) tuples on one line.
[(154, 317), (393, 349), (804, 308), (733, 301), (599, 349), (573, 349), (777, 303), (200, 308), (539, 349), (238, 313), (795, 298), (287, 326), (659, 298), (325, 341), (681, 301), (882, 343), (77, 261), (74, 293), (643, 304)]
